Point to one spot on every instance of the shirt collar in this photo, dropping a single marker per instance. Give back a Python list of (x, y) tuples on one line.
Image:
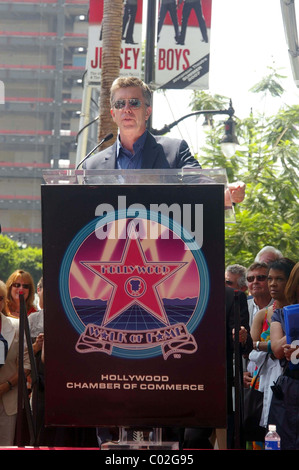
[(138, 145)]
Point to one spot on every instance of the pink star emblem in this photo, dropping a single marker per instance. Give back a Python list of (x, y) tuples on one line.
[(134, 280)]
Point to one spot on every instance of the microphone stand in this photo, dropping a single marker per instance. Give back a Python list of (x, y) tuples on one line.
[(238, 376), (105, 139), (23, 396)]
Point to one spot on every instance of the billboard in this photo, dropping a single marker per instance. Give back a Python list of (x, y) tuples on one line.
[(183, 31), (183, 44), (131, 52)]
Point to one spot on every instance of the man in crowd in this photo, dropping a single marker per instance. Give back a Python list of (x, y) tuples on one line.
[(268, 254), (235, 277), (257, 275), (257, 278)]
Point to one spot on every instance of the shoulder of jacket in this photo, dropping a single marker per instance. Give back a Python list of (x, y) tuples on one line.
[(10, 322)]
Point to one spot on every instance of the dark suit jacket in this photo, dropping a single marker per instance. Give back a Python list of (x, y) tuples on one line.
[(158, 153)]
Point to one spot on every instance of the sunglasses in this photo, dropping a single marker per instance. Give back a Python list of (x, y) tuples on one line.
[(133, 103), (229, 283), (259, 277), (17, 285)]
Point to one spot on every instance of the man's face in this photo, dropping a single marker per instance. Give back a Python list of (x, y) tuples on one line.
[(257, 282), (130, 120), (231, 280)]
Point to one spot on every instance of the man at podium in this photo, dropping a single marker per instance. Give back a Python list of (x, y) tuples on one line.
[(135, 147)]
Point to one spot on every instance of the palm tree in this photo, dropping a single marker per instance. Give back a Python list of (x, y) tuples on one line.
[(112, 36)]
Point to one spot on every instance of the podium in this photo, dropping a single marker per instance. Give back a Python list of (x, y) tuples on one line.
[(134, 299)]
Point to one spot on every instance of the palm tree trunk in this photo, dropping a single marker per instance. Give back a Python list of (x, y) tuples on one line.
[(112, 37)]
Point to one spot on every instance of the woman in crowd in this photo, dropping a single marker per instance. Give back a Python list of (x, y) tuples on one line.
[(9, 345), (20, 281), (284, 409), (278, 275)]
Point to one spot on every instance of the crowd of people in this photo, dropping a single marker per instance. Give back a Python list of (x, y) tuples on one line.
[(271, 283)]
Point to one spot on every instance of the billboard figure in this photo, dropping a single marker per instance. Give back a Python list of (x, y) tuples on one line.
[(130, 11), (187, 8), (171, 7)]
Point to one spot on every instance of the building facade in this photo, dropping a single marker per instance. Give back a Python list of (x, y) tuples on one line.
[(43, 50)]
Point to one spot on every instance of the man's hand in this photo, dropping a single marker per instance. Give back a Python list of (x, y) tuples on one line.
[(247, 378), (242, 334), (237, 191), (37, 345)]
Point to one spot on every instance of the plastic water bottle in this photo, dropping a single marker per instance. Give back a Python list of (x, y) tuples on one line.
[(272, 439)]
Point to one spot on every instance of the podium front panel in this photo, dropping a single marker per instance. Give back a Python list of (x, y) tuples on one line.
[(134, 304)]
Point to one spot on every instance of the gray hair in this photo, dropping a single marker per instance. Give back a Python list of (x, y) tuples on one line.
[(241, 271), (269, 249)]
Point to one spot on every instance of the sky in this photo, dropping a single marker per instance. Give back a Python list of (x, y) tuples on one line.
[(247, 37)]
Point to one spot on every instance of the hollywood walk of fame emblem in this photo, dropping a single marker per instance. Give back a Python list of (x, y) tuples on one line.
[(134, 296)]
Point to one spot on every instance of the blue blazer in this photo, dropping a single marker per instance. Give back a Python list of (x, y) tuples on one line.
[(159, 153)]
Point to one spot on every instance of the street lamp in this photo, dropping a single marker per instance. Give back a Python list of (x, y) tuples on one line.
[(228, 142)]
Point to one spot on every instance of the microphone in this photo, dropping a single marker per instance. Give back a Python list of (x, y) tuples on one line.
[(105, 139)]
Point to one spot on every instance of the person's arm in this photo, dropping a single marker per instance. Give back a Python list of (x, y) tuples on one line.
[(10, 383), (235, 192), (278, 340), (256, 330), (184, 157), (289, 352), (38, 343)]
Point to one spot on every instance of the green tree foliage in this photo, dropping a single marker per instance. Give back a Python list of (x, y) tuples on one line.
[(12, 257), (267, 161)]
